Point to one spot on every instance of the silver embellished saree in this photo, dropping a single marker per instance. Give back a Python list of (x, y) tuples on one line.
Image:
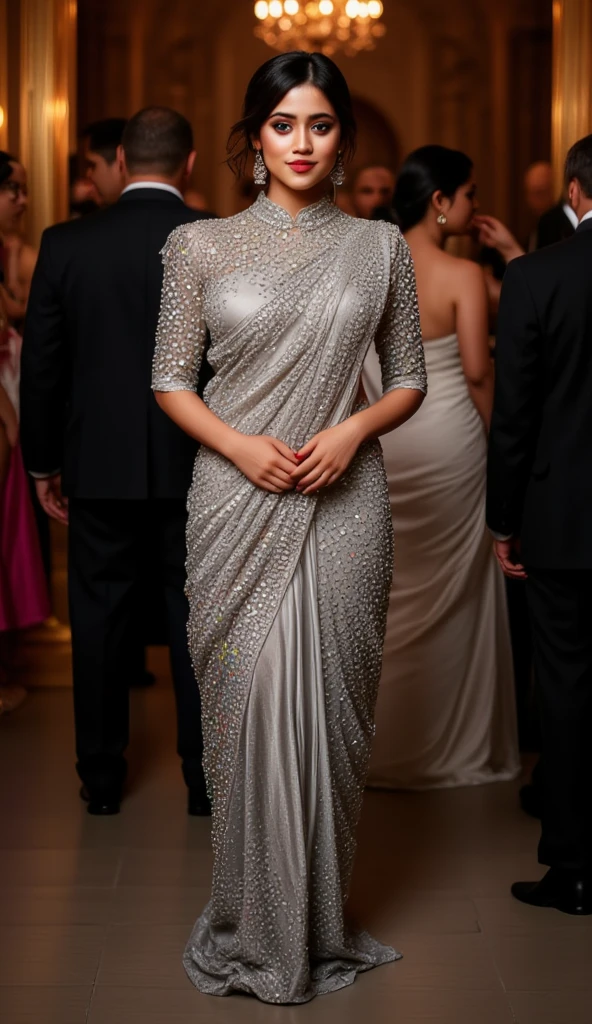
[(288, 592)]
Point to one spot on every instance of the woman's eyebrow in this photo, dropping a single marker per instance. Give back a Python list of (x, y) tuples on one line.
[(292, 117)]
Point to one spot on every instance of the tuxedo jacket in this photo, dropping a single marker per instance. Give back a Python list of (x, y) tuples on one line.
[(554, 226), (540, 450), (87, 408)]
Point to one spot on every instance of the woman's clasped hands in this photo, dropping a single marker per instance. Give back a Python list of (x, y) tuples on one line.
[(325, 458), (272, 465)]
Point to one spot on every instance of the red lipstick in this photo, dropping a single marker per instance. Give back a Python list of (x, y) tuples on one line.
[(301, 166)]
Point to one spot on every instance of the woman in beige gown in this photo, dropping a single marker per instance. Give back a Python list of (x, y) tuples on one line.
[(446, 706)]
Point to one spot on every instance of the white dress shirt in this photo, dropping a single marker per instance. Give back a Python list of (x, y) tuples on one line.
[(571, 215), (153, 184)]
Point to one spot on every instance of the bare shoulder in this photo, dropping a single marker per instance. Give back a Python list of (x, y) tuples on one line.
[(463, 277), (28, 256), (465, 271)]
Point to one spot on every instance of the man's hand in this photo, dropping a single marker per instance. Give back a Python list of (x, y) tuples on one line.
[(496, 235), (50, 496), (507, 553)]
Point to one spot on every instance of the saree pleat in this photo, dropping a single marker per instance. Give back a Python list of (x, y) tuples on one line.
[(287, 592)]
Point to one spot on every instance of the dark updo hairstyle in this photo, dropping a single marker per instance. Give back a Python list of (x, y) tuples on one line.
[(425, 171), (6, 168), (269, 85)]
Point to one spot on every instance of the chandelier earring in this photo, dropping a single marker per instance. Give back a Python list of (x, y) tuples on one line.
[(442, 219), (260, 171), (338, 173)]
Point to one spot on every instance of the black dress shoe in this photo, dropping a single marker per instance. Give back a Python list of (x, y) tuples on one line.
[(100, 803), (198, 802), (562, 890), (530, 800)]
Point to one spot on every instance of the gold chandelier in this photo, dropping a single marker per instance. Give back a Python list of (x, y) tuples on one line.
[(325, 25)]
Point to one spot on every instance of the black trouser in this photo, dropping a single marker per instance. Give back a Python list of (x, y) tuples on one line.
[(560, 604), (528, 723), (111, 543)]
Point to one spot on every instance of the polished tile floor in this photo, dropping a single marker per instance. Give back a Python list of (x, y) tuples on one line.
[(94, 913)]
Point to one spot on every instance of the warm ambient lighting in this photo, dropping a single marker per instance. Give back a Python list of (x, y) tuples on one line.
[(325, 25), (1, 117), (57, 109)]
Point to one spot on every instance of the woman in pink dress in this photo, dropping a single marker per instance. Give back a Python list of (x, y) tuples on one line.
[(24, 600)]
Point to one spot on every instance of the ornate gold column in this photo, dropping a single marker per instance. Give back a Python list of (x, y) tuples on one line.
[(47, 106), (572, 78), (3, 76)]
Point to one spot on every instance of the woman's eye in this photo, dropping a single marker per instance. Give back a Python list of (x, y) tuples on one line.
[(321, 127), (282, 126)]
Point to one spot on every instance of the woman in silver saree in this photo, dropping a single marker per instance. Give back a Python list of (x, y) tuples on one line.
[(289, 532)]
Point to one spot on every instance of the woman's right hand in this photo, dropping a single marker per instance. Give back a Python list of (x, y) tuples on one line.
[(265, 461)]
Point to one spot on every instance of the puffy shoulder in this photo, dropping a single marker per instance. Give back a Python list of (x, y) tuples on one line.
[(184, 240), (387, 234)]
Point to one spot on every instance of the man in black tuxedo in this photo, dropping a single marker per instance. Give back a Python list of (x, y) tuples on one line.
[(106, 459), (538, 507)]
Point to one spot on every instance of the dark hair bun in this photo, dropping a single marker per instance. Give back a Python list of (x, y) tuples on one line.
[(425, 171)]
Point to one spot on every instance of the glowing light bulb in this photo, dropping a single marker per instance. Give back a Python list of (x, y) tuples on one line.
[(261, 9), (1, 117), (276, 8), (362, 10), (291, 7), (326, 7), (375, 8), (352, 8)]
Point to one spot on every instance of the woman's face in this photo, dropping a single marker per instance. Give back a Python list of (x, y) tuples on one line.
[(300, 139), (461, 209), (13, 199)]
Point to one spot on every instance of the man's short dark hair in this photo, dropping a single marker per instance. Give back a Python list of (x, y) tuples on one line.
[(579, 165), (105, 136), (157, 139)]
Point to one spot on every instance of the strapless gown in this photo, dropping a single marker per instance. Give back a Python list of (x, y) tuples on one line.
[(446, 706)]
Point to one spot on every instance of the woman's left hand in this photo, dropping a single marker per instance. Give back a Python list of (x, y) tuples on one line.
[(325, 458)]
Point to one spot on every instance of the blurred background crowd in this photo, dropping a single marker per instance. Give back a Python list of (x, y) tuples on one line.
[(488, 79)]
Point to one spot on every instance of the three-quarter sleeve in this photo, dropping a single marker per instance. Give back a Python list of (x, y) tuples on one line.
[(398, 339), (181, 332)]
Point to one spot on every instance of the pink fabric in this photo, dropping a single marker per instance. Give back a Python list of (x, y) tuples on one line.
[(24, 600)]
